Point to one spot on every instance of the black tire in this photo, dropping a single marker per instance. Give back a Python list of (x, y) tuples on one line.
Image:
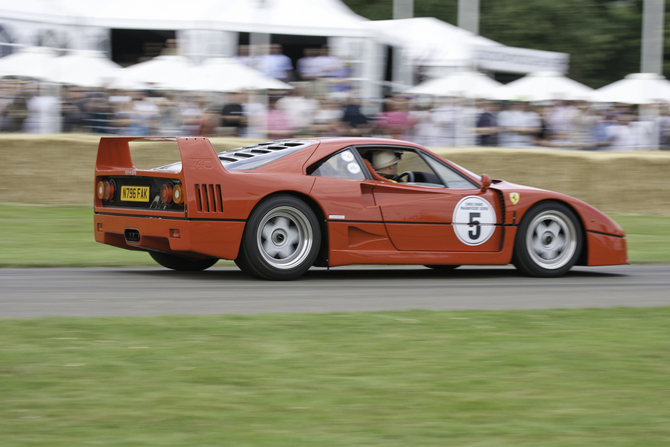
[(182, 263), (548, 241), (281, 239), (443, 268)]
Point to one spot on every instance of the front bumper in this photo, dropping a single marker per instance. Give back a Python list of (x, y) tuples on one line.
[(606, 249)]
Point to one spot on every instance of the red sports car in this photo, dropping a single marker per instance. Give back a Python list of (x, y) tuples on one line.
[(280, 207)]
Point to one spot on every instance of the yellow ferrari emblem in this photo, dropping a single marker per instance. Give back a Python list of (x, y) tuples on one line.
[(514, 197)]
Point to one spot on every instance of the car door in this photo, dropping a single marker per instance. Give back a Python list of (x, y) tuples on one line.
[(429, 218)]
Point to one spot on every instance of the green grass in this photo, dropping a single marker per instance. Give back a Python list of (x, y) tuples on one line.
[(648, 238), (53, 236), (506, 378)]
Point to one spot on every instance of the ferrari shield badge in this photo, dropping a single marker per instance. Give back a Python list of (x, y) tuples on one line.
[(514, 197)]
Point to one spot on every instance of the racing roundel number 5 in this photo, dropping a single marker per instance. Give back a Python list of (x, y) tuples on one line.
[(474, 220), (475, 232)]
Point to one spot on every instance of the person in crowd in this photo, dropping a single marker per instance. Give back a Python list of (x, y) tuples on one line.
[(300, 108), (43, 110), (144, 115), (169, 119), (15, 107), (584, 122), (327, 71), (518, 125), (209, 122), (394, 122), (192, 107), (663, 123), (327, 65), (487, 124), (465, 123), (545, 136), (276, 64), (424, 130), (307, 71), (254, 112), (279, 125), (444, 117), (600, 136), (628, 134), (233, 120), (6, 99), (328, 120), (243, 56), (561, 119), (356, 124)]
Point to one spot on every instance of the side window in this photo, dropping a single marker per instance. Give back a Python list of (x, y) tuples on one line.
[(341, 165), (453, 179)]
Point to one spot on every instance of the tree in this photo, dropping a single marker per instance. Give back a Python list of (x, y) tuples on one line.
[(603, 37)]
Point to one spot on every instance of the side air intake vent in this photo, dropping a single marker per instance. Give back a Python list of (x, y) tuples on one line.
[(208, 198)]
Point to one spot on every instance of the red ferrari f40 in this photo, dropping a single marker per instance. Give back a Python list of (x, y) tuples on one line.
[(280, 207)]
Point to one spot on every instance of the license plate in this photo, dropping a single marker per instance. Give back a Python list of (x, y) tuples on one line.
[(135, 193)]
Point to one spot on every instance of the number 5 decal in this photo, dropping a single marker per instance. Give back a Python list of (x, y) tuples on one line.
[(477, 230), (474, 220)]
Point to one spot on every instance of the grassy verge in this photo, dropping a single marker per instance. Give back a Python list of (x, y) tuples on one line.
[(510, 378), (51, 236)]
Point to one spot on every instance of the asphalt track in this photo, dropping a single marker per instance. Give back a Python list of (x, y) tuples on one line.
[(156, 291)]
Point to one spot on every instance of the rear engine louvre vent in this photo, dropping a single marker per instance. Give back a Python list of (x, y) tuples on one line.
[(208, 198), (251, 157)]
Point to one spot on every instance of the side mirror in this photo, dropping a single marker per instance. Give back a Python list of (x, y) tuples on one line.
[(486, 182)]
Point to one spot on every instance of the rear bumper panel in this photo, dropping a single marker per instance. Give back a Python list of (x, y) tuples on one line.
[(215, 238)]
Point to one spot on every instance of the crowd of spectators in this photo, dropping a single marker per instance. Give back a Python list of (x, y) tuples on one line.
[(323, 103)]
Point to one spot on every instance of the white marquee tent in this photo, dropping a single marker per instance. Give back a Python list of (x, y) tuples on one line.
[(85, 68), (544, 86), (301, 17), (31, 62), (467, 84), (636, 88), (430, 41), (227, 75)]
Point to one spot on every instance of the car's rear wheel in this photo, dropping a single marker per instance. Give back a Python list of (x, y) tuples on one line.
[(548, 242), (182, 263), (281, 240)]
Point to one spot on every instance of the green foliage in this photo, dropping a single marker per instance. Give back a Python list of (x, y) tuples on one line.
[(603, 37)]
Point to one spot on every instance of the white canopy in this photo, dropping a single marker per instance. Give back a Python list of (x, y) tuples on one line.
[(433, 42), (637, 88), (227, 75), (544, 86), (85, 69), (31, 62), (301, 17), (467, 84), (161, 72)]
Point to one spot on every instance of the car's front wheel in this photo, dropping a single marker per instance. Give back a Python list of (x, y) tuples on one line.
[(548, 241), (182, 263), (281, 240)]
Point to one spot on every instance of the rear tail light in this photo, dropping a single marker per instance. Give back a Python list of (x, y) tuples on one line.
[(178, 194), (100, 190), (109, 190), (166, 193), (105, 190)]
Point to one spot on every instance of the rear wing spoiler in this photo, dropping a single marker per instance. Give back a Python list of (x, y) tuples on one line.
[(197, 156)]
